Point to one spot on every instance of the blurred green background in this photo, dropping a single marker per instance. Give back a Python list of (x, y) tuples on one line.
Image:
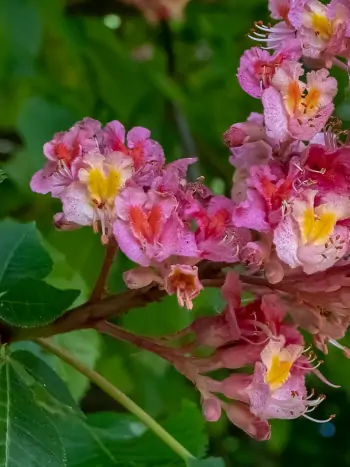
[(63, 60)]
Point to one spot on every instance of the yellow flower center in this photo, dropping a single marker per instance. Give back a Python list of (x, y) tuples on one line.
[(316, 229), (103, 187), (278, 372), (322, 26), (311, 100)]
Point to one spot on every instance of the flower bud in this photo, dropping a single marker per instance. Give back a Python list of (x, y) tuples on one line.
[(274, 271), (240, 415), (241, 133), (211, 409), (255, 253), (140, 277)]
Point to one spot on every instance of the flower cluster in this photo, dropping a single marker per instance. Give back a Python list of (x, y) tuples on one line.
[(286, 224), (318, 33), (119, 184), (254, 335)]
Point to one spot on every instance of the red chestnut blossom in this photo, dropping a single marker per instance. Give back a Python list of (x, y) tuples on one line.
[(283, 236), (293, 109), (64, 153), (217, 237), (148, 228), (258, 67), (183, 281), (147, 154)]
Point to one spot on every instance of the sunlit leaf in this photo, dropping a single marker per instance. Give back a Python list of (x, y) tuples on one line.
[(31, 303), (103, 442), (86, 346), (29, 437), (42, 373)]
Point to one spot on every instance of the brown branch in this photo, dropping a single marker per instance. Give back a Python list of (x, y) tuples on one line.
[(89, 314), (86, 316)]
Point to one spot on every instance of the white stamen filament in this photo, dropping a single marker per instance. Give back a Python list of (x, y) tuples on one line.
[(268, 39), (336, 344), (319, 421), (324, 379)]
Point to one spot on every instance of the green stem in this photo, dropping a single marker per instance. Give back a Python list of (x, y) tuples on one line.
[(118, 396)]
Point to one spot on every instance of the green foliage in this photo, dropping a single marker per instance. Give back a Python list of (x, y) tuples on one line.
[(210, 462), (85, 345), (29, 435), (21, 254), (31, 303), (43, 374), (59, 62), (110, 439), (3, 176)]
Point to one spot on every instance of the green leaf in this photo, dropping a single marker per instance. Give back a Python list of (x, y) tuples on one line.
[(28, 434), (3, 176), (86, 346), (21, 254), (31, 303), (113, 439), (87, 261), (47, 377), (210, 462)]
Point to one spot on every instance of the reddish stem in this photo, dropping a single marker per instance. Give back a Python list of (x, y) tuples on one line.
[(99, 288)]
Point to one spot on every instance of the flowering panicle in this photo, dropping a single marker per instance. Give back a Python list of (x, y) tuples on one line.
[(285, 226)]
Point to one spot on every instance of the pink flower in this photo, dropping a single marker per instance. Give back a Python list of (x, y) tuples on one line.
[(298, 110), (251, 213), (147, 154), (172, 179), (258, 67), (322, 29), (254, 254), (90, 200), (279, 9), (287, 402), (277, 37), (216, 236), (148, 229), (64, 153), (275, 187), (179, 279), (249, 154), (328, 169), (183, 281), (309, 237)]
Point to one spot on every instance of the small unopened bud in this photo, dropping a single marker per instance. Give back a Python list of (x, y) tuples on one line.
[(274, 272), (240, 415), (140, 277), (255, 253), (211, 409), (241, 133)]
